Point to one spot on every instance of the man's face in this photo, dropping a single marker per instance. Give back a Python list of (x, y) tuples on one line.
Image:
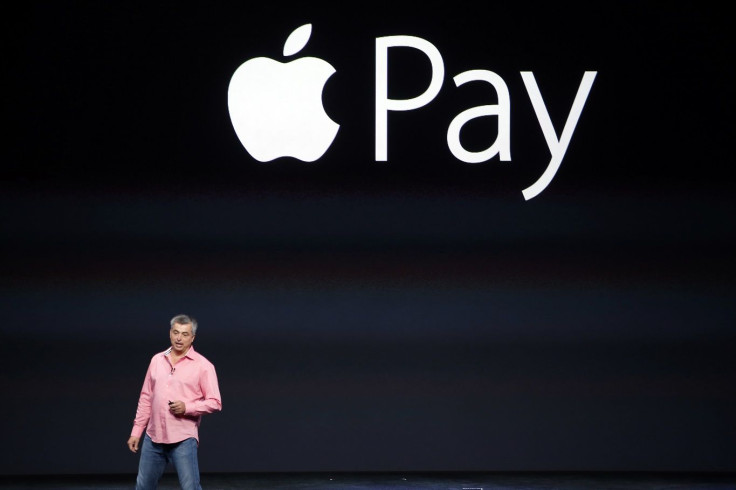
[(181, 337)]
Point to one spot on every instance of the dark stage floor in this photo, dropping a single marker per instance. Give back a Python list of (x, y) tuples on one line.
[(372, 481)]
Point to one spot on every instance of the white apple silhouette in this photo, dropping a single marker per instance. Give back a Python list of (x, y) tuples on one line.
[(276, 108)]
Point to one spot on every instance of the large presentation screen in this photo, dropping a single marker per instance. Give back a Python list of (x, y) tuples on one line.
[(476, 236)]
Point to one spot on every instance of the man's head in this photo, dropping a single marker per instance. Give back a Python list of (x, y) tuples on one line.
[(182, 333)]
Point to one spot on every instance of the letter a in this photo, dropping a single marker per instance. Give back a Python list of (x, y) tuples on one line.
[(502, 144)]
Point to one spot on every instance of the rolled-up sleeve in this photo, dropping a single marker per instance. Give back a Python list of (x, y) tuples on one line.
[(210, 401), (143, 413)]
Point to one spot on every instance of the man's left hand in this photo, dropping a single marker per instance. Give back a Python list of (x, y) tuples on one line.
[(177, 407)]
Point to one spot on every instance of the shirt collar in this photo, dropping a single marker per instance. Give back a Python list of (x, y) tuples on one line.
[(190, 353)]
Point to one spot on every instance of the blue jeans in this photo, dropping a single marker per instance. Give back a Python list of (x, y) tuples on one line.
[(155, 457)]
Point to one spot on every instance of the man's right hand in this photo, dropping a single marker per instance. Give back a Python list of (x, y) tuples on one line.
[(133, 443)]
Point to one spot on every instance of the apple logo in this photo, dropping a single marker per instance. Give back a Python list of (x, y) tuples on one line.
[(276, 108)]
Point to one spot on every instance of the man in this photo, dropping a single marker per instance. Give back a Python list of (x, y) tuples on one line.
[(180, 386)]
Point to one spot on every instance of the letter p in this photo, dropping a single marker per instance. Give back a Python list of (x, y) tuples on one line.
[(383, 103)]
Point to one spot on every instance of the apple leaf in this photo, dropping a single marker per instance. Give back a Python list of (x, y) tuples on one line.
[(297, 39)]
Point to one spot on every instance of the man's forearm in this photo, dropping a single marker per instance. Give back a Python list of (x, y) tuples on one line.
[(208, 405)]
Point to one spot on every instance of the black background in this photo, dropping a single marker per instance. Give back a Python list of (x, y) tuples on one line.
[(416, 314)]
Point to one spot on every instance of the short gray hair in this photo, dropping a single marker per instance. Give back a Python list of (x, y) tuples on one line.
[(185, 320)]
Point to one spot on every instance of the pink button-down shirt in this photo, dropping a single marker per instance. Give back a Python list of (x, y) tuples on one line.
[(192, 380)]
